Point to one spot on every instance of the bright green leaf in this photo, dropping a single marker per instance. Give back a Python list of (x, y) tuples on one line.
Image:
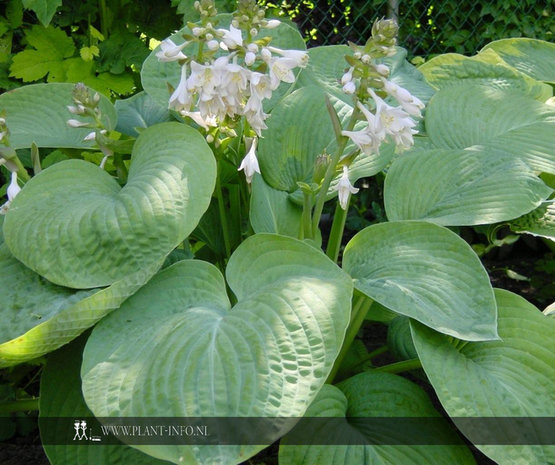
[(122, 49), (469, 187), (44, 9), (512, 377), (52, 46), (79, 71), (88, 53), (507, 121), (268, 356), (91, 232), (426, 272), (38, 113), (14, 13), (368, 395)]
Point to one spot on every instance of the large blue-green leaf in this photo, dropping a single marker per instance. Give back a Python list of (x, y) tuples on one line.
[(512, 377), (74, 225), (38, 113), (470, 186), (533, 57), (62, 403), (426, 272), (501, 120), (357, 400), (187, 353), (486, 69), (37, 317), (139, 112)]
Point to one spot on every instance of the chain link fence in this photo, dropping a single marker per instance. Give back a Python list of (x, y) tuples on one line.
[(426, 27)]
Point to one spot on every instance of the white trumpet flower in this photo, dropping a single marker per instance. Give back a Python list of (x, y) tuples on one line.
[(345, 188), (250, 162), (411, 104)]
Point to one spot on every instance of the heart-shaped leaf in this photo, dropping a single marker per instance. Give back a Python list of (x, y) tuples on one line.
[(533, 57), (486, 68), (512, 377), (188, 354), (139, 111), (75, 226), (540, 222), (351, 409), (62, 403), (38, 113), (505, 121), (37, 317), (426, 272), (469, 187)]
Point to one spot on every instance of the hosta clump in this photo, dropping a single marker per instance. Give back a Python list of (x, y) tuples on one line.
[(248, 317)]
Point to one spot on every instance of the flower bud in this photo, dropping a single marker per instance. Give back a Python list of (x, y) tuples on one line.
[(250, 58), (320, 167), (73, 123), (272, 23), (213, 45), (382, 69)]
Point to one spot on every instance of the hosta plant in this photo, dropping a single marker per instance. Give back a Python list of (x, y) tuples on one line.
[(183, 225)]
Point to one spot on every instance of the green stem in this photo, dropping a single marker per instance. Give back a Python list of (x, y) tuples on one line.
[(103, 19), (400, 367), (307, 219), (223, 216), (368, 358), (336, 233), (321, 198), (22, 405), (378, 351), (358, 314)]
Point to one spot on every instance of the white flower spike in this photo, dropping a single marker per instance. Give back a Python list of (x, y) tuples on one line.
[(250, 162), (345, 189)]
